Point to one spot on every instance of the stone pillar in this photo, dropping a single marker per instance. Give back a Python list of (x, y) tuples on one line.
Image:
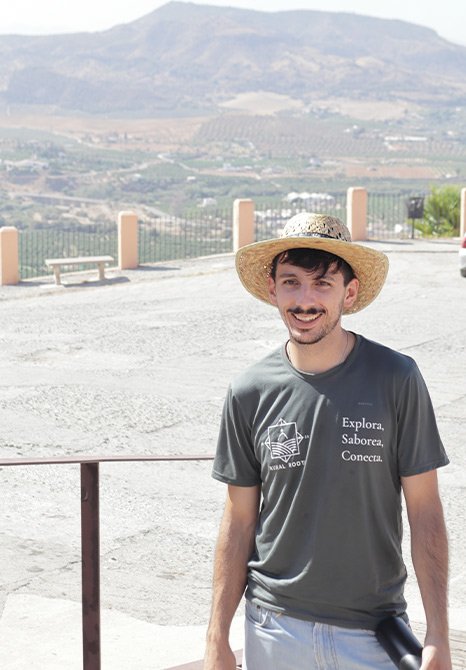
[(9, 256), (243, 223), (128, 251), (356, 213), (463, 213)]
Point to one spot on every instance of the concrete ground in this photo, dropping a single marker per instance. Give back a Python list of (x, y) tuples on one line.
[(139, 364)]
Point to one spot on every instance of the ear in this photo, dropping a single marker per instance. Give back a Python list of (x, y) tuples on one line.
[(272, 291), (351, 293)]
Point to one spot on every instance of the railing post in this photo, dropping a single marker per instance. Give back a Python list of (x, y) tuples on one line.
[(90, 552), (128, 251), (9, 262), (356, 213), (463, 213), (243, 223)]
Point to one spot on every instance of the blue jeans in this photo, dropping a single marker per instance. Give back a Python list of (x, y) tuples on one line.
[(274, 641)]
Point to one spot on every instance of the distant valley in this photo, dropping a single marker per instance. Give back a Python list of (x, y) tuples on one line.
[(195, 105)]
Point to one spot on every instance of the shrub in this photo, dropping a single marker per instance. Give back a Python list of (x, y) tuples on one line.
[(442, 212)]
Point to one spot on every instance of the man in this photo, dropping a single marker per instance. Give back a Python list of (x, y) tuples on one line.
[(316, 443)]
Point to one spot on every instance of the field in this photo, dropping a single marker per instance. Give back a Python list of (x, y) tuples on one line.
[(68, 171)]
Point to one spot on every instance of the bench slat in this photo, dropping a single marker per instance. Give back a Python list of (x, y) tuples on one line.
[(78, 260)]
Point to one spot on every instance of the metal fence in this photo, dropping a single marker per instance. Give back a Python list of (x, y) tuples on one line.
[(387, 213), (387, 216), (161, 238), (206, 232), (190, 236), (37, 245), (271, 217)]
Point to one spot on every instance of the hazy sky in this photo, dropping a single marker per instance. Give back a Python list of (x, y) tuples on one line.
[(447, 17)]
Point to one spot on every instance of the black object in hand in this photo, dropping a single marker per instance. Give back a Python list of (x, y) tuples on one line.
[(398, 640)]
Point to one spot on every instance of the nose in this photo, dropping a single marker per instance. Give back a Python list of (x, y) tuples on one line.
[(306, 299)]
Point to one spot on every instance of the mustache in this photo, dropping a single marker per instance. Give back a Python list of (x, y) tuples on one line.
[(312, 311)]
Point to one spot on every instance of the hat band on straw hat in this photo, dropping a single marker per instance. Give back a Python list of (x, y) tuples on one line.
[(330, 237)]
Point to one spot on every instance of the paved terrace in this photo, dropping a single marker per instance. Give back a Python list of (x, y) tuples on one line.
[(139, 364)]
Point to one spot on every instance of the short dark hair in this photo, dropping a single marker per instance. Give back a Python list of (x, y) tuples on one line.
[(315, 261)]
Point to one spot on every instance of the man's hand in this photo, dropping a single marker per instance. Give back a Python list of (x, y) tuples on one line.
[(219, 658), (436, 657)]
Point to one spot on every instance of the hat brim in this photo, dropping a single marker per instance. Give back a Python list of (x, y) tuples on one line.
[(254, 263)]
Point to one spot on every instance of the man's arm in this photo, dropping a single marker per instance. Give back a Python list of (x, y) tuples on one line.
[(429, 550), (234, 547)]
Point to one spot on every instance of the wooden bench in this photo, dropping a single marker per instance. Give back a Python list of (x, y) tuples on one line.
[(57, 263)]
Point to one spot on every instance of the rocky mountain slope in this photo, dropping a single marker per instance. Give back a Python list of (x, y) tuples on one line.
[(185, 58)]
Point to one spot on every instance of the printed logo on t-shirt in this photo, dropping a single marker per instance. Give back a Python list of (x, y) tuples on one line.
[(283, 440), (361, 440)]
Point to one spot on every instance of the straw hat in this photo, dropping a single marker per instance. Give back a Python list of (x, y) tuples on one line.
[(313, 231)]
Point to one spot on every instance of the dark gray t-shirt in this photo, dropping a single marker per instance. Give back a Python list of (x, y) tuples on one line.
[(328, 451)]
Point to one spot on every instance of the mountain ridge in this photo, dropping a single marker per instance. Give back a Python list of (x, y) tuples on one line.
[(192, 58)]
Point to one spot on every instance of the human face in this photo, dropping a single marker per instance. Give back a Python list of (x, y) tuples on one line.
[(310, 304)]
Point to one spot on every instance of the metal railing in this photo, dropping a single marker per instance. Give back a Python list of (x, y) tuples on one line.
[(387, 213), (189, 236), (271, 217), (90, 537), (387, 216), (37, 245), (205, 232)]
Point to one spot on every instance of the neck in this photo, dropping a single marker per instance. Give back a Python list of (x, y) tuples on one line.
[(321, 356)]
